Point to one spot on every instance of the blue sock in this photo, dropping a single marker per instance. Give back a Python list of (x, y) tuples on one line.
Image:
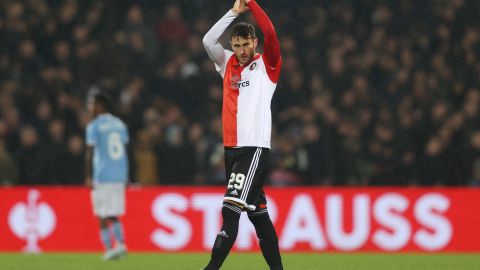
[(105, 236), (118, 231)]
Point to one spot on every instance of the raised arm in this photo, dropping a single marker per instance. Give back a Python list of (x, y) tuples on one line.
[(271, 46), (214, 49)]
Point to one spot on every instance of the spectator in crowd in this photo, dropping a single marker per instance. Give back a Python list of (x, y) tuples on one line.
[(145, 160), (55, 153), (8, 168), (30, 158), (172, 28), (73, 166), (177, 157), (315, 163)]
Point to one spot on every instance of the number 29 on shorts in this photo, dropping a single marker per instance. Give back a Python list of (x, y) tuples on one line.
[(236, 181)]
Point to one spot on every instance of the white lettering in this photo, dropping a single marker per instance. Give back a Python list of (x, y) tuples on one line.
[(246, 234), (335, 223), (428, 210), (181, 230), (211, 206), (386, 211), (302, 225)]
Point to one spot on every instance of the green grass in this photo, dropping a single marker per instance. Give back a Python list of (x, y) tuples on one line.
[(241, 261)]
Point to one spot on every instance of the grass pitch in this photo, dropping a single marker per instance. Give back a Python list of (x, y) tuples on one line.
[(241, 261)]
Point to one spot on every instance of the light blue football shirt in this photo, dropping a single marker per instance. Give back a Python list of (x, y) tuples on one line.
[(108, 135)]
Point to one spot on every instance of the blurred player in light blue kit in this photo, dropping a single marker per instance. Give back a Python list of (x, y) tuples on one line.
[(107, 172)]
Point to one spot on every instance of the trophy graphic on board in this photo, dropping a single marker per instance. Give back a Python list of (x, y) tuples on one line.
[(32, 221)]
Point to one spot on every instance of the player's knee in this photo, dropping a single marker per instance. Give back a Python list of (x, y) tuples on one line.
[(231, 202), (258, 214), (229, 210), (112, 219), (103, 222)]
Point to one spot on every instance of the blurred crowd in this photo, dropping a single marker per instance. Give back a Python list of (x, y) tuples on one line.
[(371, 93)]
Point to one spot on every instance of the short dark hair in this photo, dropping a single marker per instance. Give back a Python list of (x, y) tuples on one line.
[(243, 29), (103, 99)]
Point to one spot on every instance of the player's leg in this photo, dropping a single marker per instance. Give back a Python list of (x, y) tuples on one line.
[(117, 229), (116, 209), (245, 183), (227, 236), (230, 215), (106, 239), (118, 233), (266, 234), (254, 195), (99, 205), (109, 203), (105, 233)]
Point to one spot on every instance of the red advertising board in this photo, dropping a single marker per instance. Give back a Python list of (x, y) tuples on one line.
[(306, 219)]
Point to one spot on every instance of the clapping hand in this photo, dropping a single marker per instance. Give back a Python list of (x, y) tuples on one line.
[(239, 7)]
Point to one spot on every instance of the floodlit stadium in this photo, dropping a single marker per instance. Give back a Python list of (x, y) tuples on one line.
[(239, 134)]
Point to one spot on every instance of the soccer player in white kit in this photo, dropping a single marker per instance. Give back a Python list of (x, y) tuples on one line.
[(107, 172), (249, 81)]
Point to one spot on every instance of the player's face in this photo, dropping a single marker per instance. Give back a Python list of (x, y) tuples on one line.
[(244, 48)]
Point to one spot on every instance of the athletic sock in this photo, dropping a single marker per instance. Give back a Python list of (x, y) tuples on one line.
[(226, 238), (105, 237), (118, 231), (267, 238)]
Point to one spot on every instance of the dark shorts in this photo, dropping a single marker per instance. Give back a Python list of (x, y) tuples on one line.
[(246, 171)]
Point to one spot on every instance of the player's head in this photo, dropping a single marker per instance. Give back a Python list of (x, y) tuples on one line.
[(243, 41), (99, 103)]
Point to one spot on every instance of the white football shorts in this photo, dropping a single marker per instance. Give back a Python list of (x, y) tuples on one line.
[(108, 199)]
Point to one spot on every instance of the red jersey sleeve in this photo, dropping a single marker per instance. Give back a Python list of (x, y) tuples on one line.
[(271, 46)]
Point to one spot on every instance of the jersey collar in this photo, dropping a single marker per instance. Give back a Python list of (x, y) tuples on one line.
[(236, 63)]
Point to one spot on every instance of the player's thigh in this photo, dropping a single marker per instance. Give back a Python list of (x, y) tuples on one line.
[(109, 199), (99, 200), (116, 205), (247, 176)]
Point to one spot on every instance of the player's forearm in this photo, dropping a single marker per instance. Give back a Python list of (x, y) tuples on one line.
[(219, 27), (262, 19), (271, 44), (210, 40)]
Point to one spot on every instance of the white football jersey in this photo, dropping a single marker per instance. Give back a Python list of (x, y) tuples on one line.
[(247, 89), (247, 94)]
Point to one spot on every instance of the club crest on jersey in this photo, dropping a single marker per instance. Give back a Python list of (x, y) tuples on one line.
[(234, 81), (253, 66)]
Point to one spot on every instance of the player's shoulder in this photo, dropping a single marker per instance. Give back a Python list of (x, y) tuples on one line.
[(258, 62), (118, 121), (228, 55), (93, 123)]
